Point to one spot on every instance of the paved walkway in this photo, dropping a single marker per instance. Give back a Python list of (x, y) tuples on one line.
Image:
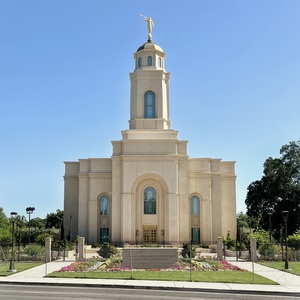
[(288, 283)]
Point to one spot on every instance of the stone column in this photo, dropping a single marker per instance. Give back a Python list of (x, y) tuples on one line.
[(48, 249), (253, 249), (219, 248), (81, 248)]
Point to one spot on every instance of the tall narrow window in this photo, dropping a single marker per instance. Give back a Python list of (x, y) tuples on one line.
[(195, 206), (149, 60), (149, 105), (139, 62), (104, 206), (149, 201), (159, 62)]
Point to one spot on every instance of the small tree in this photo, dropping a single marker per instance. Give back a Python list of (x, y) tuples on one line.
[(107, 250), (188, 251)]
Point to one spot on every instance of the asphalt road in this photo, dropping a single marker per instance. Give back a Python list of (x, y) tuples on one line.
[(32, 292)]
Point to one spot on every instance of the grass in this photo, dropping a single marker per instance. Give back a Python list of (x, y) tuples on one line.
[(294, 267), (19, 266), (197, 276)]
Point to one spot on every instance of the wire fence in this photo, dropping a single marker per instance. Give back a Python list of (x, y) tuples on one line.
[(265, 251)]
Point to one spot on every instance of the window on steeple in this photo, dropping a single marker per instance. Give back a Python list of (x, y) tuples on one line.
[(139, 62), (159, 62), (149, 60), (149, 105)]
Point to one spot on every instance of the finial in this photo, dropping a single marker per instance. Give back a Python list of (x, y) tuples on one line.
[(150, 24)]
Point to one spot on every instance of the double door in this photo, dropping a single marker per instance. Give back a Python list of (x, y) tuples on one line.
[(150, 234)]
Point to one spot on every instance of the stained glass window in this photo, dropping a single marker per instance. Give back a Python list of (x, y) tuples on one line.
[(149, 201), (104, 206)]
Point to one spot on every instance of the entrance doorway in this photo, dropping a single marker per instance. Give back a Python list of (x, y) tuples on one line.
[(150, 234)]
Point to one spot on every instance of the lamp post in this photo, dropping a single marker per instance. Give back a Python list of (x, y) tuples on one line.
[(29, 211), (285, 215), (270, 213), (13, 217)]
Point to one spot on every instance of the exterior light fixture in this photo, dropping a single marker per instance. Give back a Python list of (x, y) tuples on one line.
[(13, 218), (29, 211)]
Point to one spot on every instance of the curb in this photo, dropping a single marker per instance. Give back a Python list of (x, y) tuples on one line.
[(145, 287)]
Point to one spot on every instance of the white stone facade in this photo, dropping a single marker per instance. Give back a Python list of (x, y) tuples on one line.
[(150, 191)]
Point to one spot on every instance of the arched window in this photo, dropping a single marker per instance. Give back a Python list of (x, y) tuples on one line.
[(159, 62), (104, 206), (149, 60), (139, 62), (195, 219), (195, 206), (149, 201), (149, 105)]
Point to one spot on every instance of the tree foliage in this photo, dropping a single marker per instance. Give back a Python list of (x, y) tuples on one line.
[(294, 240), (4, 227), (54, 219), (52, 226), (277, 190)]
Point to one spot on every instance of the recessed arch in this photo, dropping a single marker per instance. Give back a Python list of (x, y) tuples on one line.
[(158, 220)]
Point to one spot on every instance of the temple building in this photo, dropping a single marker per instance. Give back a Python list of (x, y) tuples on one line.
[(150, 190)]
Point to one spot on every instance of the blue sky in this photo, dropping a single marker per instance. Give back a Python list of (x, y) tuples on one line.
[(64, 84)]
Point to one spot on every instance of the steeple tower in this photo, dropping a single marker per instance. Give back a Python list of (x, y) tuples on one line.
[(149, 96)]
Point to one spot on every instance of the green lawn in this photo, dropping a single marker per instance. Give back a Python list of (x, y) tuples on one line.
[(19, 266), (197, 276), (279, 265)]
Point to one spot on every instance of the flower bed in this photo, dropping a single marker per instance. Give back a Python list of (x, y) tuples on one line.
[(95, 265)]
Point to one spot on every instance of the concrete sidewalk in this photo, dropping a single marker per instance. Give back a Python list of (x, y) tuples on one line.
[(285, 279), (288, 284)]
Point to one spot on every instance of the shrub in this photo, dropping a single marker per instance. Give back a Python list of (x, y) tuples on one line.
[(268, 251), (188, 251), (294, 240), (107, 250), (40, 239), (230, 242), (262, 237), (34, 252), (4, 253)]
